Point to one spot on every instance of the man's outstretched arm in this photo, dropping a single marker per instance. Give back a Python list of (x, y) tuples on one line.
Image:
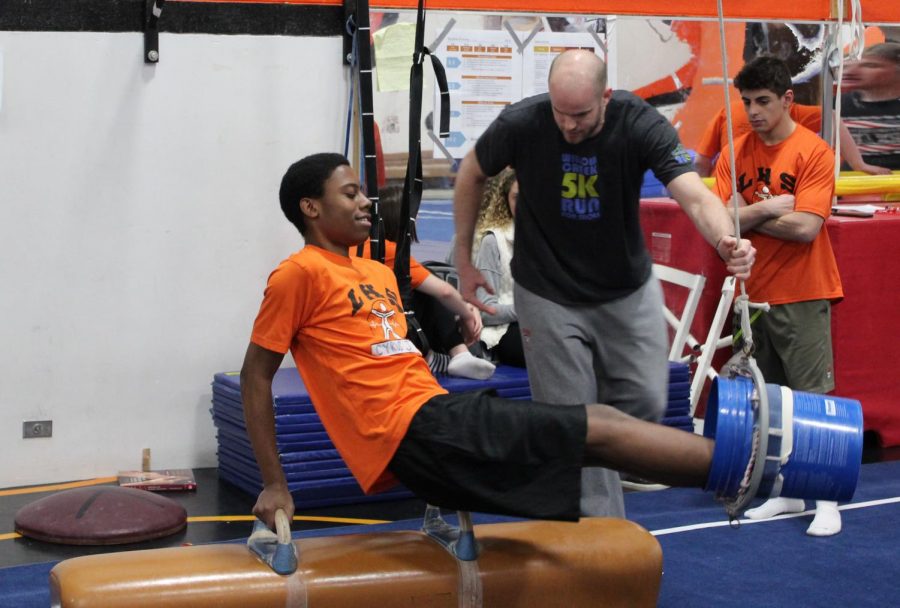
[(259, 368), (713, 222)]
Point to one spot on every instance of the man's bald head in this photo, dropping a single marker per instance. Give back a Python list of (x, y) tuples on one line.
[(578, 94), (578, 68)]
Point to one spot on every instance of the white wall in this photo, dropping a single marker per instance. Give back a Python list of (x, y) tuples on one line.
[(647, 50), (138, 222)]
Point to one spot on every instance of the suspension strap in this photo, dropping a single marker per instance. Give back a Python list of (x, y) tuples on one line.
[(361, 64), (412, 186)]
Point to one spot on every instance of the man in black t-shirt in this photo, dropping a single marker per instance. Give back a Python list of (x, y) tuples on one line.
[(871, 106), (589, 310)]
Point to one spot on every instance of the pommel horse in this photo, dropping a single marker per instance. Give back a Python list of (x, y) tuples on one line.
[(527, 564)]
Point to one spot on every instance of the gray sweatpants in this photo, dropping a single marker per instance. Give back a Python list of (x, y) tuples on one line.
[(613, 353)]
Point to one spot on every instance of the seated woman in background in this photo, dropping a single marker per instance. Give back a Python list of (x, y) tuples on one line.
[(432, 297), (492, 254)]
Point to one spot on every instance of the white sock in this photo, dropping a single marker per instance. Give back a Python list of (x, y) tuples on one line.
[(467, 365), (827, 521), (776, 506)]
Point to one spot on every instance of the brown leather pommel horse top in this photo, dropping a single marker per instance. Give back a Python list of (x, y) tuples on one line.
[(529, 564)]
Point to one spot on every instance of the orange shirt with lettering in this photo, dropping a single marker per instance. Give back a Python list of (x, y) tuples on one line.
[(342, 321), (802, 165)]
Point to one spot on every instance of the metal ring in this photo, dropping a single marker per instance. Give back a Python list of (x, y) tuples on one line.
[(761, 430)]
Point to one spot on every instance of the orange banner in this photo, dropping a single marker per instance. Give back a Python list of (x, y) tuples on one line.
[(873, 11), (804, 10), (880, 11)]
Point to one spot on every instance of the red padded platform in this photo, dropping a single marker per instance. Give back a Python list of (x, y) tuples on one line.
[(100, 515)]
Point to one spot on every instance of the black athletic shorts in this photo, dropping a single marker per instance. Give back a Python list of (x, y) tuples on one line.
[(477, 452)]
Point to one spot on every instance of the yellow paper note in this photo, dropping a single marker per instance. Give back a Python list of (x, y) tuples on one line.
[(394, 46)]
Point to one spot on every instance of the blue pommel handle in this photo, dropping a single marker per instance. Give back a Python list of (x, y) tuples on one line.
[(285, 561), (276, 549), (458, 540), (466, 548)]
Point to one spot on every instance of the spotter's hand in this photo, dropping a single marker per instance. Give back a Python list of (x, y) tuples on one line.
[(738, 254), (469, 282)]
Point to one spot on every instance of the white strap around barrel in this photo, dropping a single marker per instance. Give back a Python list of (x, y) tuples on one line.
[(787, 424)]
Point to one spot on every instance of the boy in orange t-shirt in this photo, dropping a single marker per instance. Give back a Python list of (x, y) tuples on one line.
[(715, 138), (341, 318), (785, 184)]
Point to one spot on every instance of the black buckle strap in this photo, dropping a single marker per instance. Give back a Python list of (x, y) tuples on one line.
[(412, 187)]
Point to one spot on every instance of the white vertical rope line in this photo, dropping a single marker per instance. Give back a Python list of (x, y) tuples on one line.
[(743, 302), (857, 43), (836, 115), (728, 120)]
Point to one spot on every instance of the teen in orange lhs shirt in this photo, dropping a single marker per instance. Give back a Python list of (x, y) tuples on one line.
[(342, 321)]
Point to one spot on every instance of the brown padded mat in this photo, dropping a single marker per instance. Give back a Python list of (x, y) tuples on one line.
[(596, 562), (100, 515)]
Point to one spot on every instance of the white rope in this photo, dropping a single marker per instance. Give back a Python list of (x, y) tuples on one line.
[(728, 119), (857, 44), (743, 300), (857, 31), (836, 117)]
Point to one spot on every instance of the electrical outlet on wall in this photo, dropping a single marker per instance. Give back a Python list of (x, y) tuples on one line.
[(37, 428), (392, 124)]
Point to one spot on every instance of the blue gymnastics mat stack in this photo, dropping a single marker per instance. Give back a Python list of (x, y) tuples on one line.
[(316, 474), (678, 408)]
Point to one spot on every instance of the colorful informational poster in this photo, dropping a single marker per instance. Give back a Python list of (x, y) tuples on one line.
[(544, 47), (487, 70), (484, 75)]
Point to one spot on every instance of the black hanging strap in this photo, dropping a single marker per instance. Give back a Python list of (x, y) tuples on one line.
[(362, 51), (412, 190), (412, 187)]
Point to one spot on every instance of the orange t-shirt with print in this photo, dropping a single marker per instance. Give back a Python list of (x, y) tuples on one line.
[(715, 138), (802, 165), (342, 320), (417, 272)]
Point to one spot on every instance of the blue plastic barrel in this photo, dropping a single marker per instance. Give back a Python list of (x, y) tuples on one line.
[(825, 441), (827, 452)]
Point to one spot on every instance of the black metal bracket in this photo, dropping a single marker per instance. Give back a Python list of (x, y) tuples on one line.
[(153, 10), (349, 31)]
